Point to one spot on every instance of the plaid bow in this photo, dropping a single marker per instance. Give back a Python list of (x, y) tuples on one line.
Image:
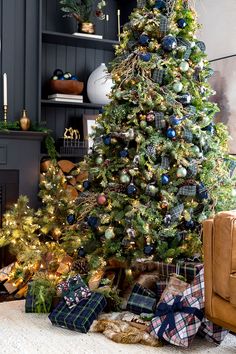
[(159, 120), (188, 191), (158, 75), (167, 310)]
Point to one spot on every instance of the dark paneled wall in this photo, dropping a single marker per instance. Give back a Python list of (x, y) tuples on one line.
[(19, 55)]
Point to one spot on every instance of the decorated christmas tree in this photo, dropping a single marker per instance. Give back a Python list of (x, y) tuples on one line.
[(159, 164)]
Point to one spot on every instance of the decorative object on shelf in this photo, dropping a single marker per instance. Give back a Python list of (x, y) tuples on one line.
[(89, 123), (81, 11), (24, 121), (65, 83), (62, 97), (71, 143), (100, 10), (5, 106), (99, 85)]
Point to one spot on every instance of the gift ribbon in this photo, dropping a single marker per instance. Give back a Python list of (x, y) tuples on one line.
[(169, 311)]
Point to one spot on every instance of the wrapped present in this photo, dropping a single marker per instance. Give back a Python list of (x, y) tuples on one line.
[(197, 288), (175, 286), (212, 332), (177, 319), (160, 287), (73, 290), (80, 317), (141, 300), (187, 269), (39, 302)]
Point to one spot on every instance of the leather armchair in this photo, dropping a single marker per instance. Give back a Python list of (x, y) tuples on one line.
[(219, 240)]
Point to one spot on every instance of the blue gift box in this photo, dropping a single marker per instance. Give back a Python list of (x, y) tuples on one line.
[(80, 317)]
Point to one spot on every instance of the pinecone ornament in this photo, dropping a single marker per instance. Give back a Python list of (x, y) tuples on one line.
[(81, 266)]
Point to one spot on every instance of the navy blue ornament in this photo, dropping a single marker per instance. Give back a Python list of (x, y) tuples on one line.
[(190, 225), (185, 99), (210, 129), (169, 43), (70, 219), (58, 72), (131, 189), (175, 120), (144, 39), (160, 5), (165, 179), (124, 153), (81, 252), (181, 23), (93, 222), (106, 139), (61, 78), (170, 133), (86, 184), (74, 77), (202, 191), (148, 250), (145, 56)]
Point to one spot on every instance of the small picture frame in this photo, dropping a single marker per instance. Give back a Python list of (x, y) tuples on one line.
[(89, 122)]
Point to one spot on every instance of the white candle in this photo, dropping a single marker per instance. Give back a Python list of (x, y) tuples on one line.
[(5, 89)]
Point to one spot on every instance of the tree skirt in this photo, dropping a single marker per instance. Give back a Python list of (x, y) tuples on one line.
[(22, 333)]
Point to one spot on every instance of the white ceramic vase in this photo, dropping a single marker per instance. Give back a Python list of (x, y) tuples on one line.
[(99, 85)]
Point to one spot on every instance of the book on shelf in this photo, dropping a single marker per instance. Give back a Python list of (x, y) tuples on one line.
[(87, 35), (69, 100), (66, 96)]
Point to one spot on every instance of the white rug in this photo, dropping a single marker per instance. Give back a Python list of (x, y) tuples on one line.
[(22, 333)]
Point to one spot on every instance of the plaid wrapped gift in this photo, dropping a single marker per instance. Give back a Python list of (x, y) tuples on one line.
[(73, 290), (212, 332), (81, 316), (188, 270), (177, 319), (141, 300), (160, 287)]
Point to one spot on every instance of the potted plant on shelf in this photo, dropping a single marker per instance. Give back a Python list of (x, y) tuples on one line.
[(81, 10)]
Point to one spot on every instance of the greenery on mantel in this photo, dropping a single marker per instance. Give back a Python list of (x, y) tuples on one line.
[(15, 126)]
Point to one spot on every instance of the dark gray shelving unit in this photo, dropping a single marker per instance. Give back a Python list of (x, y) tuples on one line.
[(71, 104)]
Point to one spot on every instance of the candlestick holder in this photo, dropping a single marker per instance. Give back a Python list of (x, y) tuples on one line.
[(118, 23), (5, 110)]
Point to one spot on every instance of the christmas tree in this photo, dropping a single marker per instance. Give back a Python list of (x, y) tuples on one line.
[(159, 165)]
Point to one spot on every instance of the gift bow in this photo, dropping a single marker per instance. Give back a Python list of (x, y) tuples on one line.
[(164, 309)]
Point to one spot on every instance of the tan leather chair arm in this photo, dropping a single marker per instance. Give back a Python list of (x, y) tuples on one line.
[(208, 260)]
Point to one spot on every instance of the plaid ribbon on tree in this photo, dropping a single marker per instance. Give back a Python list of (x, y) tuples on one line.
[(165, 162), (192, 170), (188, 135), (201, 45), (74, 290), (141, 300), (164, 24), (183, 42), (188, 191), (80, 317), (159, 120), (176, 211), (177, 319), (158, 75), (187, 53), (141, 3), (131, 44)]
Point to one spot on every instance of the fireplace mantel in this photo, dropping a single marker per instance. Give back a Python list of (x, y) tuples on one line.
[(20, 151)]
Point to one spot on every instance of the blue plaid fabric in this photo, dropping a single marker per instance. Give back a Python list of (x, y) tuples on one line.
[(159, 120), (201, 45), (31, 304), (165, 162), (187, 53), (158, 75), (176, 211), (192, 170), (188, 135), (164, 24), (80, 317), (141, 300), (188, 191), (187, 269)]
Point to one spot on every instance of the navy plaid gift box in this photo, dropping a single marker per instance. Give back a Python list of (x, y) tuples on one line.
[(187, 269), (141, 300), (80, 317), (30, 305)]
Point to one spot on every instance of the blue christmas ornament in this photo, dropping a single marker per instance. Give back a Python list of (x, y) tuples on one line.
[(210, 129), (86, 184), (148, 250), (202, 191), (145, 56), (144, 39), (169, 43), (181, 23), (93, 222), (74, 77), (70, 219), (61, 78), (160, 5), (170, 133), (124, 153), (106, 139), (58, 72), (165, 179), (190, 225), (131, 189), (81, 252), (175, 120)]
